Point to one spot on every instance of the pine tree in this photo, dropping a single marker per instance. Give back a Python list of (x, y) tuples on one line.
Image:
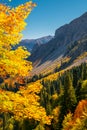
[(78, 88), (69, 101), (75, 77), (84, 71), (83, 90), (69, 93)]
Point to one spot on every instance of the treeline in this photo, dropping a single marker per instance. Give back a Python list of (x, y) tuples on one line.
[(37, 77)]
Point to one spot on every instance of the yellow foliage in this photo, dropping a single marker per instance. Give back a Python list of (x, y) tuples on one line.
[(82, 56), (65, 60), (55, 96), (24, 103), (67, 122), (54, 76), (55, 113), (12, 22)]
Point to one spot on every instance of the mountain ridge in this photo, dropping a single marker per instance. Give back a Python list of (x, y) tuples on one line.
[(34, 43), (51, 53)]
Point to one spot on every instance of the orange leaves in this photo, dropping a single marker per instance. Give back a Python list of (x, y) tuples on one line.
[(80, 109), (78, 120), (4, 8)]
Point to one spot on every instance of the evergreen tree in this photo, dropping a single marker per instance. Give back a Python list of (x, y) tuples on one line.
[(83, 90), (69, 93), (84, 71), (78, 90), (68, 100), (75, 77)]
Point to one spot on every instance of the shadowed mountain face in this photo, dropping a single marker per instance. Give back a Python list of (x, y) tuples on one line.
[(33, 44), (47, 56)]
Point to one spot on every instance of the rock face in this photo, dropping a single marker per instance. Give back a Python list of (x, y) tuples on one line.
[(47, 55), (34, 43), (74, 30)]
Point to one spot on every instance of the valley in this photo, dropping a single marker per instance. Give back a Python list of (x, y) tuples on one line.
[(43, 81)]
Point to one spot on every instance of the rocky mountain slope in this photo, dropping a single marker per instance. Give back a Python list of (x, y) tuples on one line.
[(68, 43), (33, 44)]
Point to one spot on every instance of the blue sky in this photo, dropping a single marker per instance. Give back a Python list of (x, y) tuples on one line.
[(50, 15)]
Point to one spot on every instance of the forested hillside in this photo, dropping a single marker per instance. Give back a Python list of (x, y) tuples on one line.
[(64, 96)]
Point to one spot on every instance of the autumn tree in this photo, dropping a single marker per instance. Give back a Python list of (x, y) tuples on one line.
[(13, 62), (67, 122), (24, 104), (78, 121)]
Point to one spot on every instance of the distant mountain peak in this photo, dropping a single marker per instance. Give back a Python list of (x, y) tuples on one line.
[(34, 43)]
